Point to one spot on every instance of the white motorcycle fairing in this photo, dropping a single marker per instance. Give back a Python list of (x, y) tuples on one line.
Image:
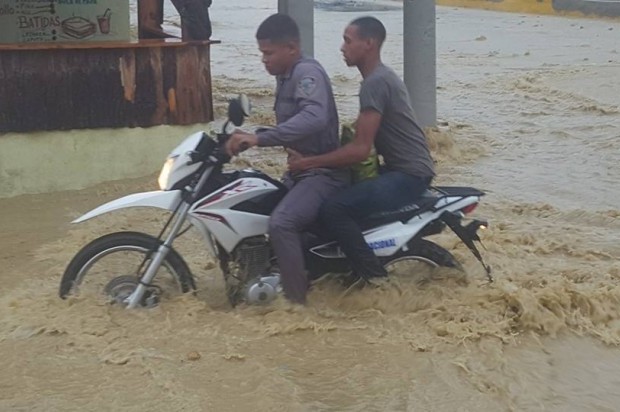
[(167, 200), (231, 226)]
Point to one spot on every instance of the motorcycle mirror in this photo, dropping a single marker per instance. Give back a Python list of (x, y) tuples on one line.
[(245, 104), (238, 109)]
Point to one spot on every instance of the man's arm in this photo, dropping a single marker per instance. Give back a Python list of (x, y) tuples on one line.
[(367, 125), (312, 97)]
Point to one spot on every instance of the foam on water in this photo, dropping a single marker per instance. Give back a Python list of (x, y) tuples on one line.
[(524, 116)]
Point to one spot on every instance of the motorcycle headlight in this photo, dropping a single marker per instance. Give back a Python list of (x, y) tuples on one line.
[(165, 173)]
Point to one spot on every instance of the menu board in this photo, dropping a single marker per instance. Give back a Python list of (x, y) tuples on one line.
[(28, 21)]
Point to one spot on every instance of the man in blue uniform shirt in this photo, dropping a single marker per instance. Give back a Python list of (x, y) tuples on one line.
[(307, 122)]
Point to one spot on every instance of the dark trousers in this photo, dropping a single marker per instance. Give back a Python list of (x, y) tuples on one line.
[(341, 214), (195, 19), (294, 214)]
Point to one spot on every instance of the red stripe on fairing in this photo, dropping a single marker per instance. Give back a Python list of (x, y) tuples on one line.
[(213, 216), (217, 196)]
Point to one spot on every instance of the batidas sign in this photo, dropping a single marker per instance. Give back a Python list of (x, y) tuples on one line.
[(28, 21)]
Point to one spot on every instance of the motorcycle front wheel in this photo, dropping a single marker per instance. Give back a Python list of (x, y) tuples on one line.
[(114, 261)]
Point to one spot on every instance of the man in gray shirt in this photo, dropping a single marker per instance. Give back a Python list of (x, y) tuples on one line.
[(307, 121), (387, 121)]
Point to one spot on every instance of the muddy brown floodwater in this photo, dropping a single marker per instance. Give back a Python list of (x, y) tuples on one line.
[(529, 113)]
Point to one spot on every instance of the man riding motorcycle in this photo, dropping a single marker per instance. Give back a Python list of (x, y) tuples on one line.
[(307, 121), (387, 121)]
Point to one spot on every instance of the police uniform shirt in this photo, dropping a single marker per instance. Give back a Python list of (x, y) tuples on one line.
[(306, 115)]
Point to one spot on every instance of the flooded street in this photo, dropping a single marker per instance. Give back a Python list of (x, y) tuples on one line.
[(529, 112)]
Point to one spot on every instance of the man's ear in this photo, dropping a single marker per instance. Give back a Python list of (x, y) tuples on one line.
[(293, 47)]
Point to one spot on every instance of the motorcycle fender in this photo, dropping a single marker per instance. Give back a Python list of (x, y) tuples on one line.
[(167, 200)]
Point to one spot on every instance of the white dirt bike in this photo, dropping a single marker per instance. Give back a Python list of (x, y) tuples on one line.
[(231, 211)]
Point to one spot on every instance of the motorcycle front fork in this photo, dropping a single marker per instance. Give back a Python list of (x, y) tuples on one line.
[(158, 258)]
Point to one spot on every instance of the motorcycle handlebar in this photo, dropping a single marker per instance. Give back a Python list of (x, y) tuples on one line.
[(223, 137), (219, 152)]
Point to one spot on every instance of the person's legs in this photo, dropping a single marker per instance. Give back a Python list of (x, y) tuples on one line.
[(341, 215), (195, 19), (292, 216), (150, 19)]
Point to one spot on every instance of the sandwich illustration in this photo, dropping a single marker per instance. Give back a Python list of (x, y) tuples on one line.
[(78, 27)]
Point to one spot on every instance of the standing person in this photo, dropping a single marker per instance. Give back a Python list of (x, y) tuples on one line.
[(387, 121), (195, 20), (307, 121), (150, 19)]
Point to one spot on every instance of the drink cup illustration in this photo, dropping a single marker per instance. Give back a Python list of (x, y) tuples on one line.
[(104, 22)]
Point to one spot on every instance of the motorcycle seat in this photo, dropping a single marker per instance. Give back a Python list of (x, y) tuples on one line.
[(403, 214)]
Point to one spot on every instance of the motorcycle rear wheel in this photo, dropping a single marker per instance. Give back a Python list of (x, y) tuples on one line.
[(421, 259), (83, 267)]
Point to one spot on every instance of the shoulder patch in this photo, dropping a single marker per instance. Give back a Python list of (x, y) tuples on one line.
[(307, 85)]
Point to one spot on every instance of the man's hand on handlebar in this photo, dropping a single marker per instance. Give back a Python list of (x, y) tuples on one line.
[(240, 141)]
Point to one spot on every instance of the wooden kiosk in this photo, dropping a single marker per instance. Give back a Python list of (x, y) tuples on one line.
[(71, 64)]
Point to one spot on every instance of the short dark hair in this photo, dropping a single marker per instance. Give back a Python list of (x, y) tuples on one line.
[(370, 28), (278, 28)]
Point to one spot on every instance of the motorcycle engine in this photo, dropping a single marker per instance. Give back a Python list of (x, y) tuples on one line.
[(263, 290), (248, 279)]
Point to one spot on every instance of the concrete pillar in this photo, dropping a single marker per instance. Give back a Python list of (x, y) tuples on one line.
[(303, 13), (420, 71)]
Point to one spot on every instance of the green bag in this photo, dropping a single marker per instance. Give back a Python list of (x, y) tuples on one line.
[(365, 169)]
